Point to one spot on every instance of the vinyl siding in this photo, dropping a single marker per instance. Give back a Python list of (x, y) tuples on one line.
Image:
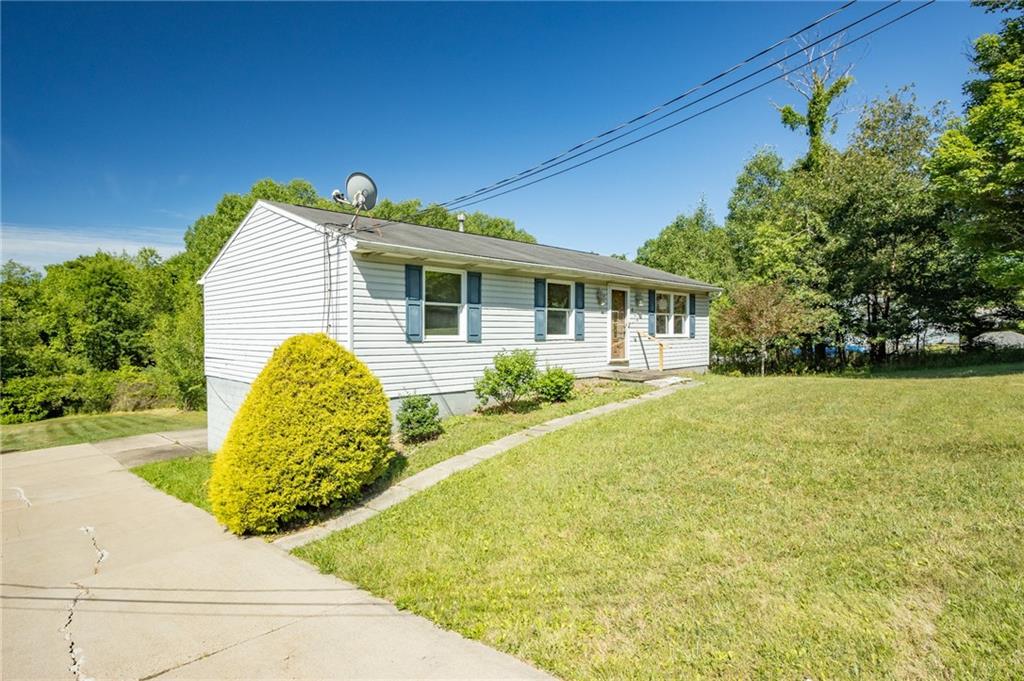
[(268, 285), (680, 351), (443, 366)]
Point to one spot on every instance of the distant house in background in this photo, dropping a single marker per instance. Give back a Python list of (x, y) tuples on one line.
[(427, 309)]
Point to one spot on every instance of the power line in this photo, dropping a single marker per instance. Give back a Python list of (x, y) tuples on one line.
[(541, 166), (689, 104), (702, 111)]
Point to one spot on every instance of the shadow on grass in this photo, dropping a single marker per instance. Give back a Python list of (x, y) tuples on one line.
[(518, 407), (942, 371)]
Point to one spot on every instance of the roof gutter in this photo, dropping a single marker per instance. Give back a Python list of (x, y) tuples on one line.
[(366, 246)]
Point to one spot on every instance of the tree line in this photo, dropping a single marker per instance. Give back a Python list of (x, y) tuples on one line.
[(916, 225)]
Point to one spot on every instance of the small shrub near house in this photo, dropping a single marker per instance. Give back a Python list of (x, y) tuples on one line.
[(314, 429), (418, 419), (510, 379), (555, 385)]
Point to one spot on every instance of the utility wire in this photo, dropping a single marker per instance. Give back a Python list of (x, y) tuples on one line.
[(691, 103), (702, 111), (550, 163), (651, 112)]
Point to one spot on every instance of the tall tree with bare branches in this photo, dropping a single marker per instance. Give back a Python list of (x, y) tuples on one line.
[(820, 85)]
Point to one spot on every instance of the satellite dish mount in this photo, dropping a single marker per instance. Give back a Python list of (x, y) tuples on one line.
[(362, 190)]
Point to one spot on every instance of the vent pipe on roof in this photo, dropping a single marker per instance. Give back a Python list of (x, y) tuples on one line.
[(462, 222)]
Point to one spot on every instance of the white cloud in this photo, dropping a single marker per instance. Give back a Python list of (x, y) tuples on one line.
[(38, 246)]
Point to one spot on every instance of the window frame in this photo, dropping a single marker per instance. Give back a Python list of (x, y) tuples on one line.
[(671, 315), (461, 305), (569, 334)]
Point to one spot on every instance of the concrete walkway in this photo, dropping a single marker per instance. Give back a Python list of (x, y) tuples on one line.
[(404, 489), (139, 449), (105, 577)]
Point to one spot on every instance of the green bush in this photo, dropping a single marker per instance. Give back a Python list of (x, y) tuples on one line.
[(555, 385), (178, 349), (139, 389), (419, 419), (32, 398), (314, 429), (91, 392), (510, 379)]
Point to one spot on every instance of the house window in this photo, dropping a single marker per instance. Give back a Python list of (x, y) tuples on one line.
[(670, 314), (559, 297), (678, 314), (442, 304), (663, 312)]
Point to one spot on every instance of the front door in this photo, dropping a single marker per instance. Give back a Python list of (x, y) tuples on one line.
[(618, 337)]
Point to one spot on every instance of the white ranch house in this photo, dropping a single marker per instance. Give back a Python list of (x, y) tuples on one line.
[(427, 309)]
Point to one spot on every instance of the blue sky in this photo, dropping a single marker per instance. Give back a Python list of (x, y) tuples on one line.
[(121, 123)]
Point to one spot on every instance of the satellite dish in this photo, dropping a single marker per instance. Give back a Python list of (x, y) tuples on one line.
[(362, 190)]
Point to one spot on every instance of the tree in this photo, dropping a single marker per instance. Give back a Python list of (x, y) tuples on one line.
[(884, 222), (437, 216), (754, 201), (759, 316), (693, 246), (91, 312), (19, 332), (979, 162), (821, 85)]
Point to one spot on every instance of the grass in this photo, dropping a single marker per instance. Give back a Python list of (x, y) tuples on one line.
[(69, 430), (797, 527), (183, 478), (466, 432), (186, 478)]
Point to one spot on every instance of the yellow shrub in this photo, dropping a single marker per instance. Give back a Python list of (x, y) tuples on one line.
[(314, 429)]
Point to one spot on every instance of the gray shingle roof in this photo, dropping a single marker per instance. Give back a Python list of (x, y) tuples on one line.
[(438, 240)]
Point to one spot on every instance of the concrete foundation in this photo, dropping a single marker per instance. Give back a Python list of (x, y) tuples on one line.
[(224, 397)]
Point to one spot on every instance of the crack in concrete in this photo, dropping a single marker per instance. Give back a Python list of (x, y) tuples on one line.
[(74, 651), (179, 443), (21, 496)]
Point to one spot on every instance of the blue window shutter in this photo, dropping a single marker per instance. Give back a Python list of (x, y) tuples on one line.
[(693, 315), (581, 303), (474, 301), (650, 312), (413, 303), (540, 319)]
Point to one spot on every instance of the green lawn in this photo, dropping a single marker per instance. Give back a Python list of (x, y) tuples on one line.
[(463, 433), (69, 430), (183, 478), (811, 527), (186, 478)]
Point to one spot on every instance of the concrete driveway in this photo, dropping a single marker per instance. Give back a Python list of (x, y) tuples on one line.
[(105, 577)]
